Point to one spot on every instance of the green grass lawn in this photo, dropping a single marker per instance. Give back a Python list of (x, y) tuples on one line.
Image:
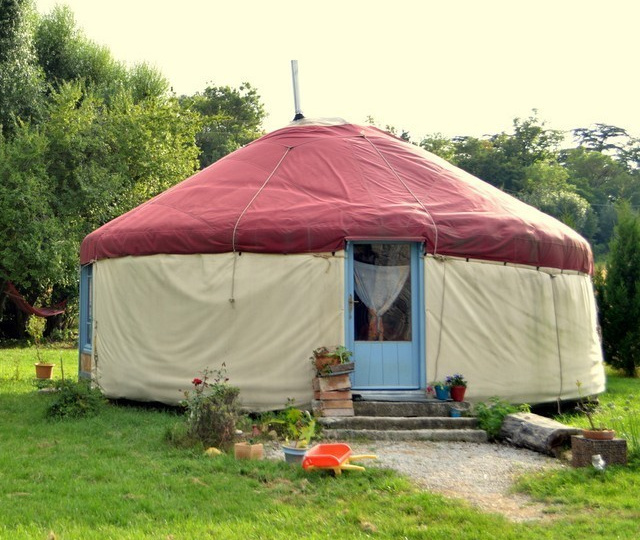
[(113, 476)]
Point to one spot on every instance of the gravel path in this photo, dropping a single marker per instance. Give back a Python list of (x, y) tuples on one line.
[(482, 474)]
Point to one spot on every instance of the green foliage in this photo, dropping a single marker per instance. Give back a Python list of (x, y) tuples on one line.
[(211, 411), (65, 54), (84, 139), (231, 118), (35, 329), (296, 426), (491, 415), (21, 80), (75, 399), (501, 159), (619, 295), (548, 189)]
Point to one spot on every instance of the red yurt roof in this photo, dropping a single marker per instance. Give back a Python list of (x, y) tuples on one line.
[(309, 187)]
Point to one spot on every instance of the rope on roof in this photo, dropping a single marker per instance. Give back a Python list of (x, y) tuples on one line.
[(244, 211), (395, 173)]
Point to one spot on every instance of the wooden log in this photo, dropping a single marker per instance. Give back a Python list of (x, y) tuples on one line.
[(537, 433)]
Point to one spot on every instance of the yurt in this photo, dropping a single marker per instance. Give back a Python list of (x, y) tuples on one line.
[(325, 233)]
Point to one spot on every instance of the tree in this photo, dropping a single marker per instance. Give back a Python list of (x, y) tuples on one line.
[(65, 54), (501, 159), (601, 138), (86, 164), (231, 118), (438, 144), (21, 80), (619, 295), (602, 181), (548, 190)]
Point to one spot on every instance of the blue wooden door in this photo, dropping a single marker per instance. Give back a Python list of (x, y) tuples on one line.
[(384, 296)]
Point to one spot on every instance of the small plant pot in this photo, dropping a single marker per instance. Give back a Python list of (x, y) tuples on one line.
[(325, 362), (454, 412), (245, 450), (442, 392), (43, 371), (457, 393), (293, 455), (599, 434)]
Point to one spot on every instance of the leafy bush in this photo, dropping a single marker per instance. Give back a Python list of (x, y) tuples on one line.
[(491, 415), (618, 294), (75, 399), (212, 411)]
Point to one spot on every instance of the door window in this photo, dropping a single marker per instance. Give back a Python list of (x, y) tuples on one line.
[(382, 288)]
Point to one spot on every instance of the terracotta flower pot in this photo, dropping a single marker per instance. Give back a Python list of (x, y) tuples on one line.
[(245, 450), (43, 371), (599, 434), (457, 393), (323, 361)]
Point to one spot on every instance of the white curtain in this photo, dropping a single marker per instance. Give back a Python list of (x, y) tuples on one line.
[(378, 287)]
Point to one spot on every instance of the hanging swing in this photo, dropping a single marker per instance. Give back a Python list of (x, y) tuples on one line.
[(19, 300)]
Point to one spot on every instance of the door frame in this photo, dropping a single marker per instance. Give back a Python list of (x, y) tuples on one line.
[(417, 302)]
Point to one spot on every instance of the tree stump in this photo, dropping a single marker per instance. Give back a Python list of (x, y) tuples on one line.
[(537, 433)]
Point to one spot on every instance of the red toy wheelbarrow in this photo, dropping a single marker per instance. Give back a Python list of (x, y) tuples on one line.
[(334, 456)]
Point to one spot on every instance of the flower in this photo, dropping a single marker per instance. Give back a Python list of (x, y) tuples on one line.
[(196, 381), (456, 379)]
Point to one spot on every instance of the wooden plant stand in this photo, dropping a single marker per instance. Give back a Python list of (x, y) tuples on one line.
[(332, 395)]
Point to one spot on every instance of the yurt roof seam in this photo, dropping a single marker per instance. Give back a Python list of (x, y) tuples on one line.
[(435, 227), (232, 298)]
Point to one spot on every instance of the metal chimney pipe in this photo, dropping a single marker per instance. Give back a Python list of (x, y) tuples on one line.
[(296, 90)]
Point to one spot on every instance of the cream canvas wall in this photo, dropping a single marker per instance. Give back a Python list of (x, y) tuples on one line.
[(519, 333), (161, 320)]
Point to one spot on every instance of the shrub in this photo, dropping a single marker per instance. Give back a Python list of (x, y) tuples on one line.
[(212, 411), (491, 415), (618, 294), (75, 399)]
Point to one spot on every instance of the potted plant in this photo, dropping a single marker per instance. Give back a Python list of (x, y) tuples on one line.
[(299, 428), (35, 328), (335, 360), (441, 389), (589, 409), (458, 386)]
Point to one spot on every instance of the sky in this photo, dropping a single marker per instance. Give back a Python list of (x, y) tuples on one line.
[(455, 67)]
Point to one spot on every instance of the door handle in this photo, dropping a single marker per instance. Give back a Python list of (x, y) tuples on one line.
[(352, 302)]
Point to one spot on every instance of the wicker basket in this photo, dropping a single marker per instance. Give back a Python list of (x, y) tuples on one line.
[(614, 451)]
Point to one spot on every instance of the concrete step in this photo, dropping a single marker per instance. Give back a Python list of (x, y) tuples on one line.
[(451, 435), (398, 422), (429, 407)]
